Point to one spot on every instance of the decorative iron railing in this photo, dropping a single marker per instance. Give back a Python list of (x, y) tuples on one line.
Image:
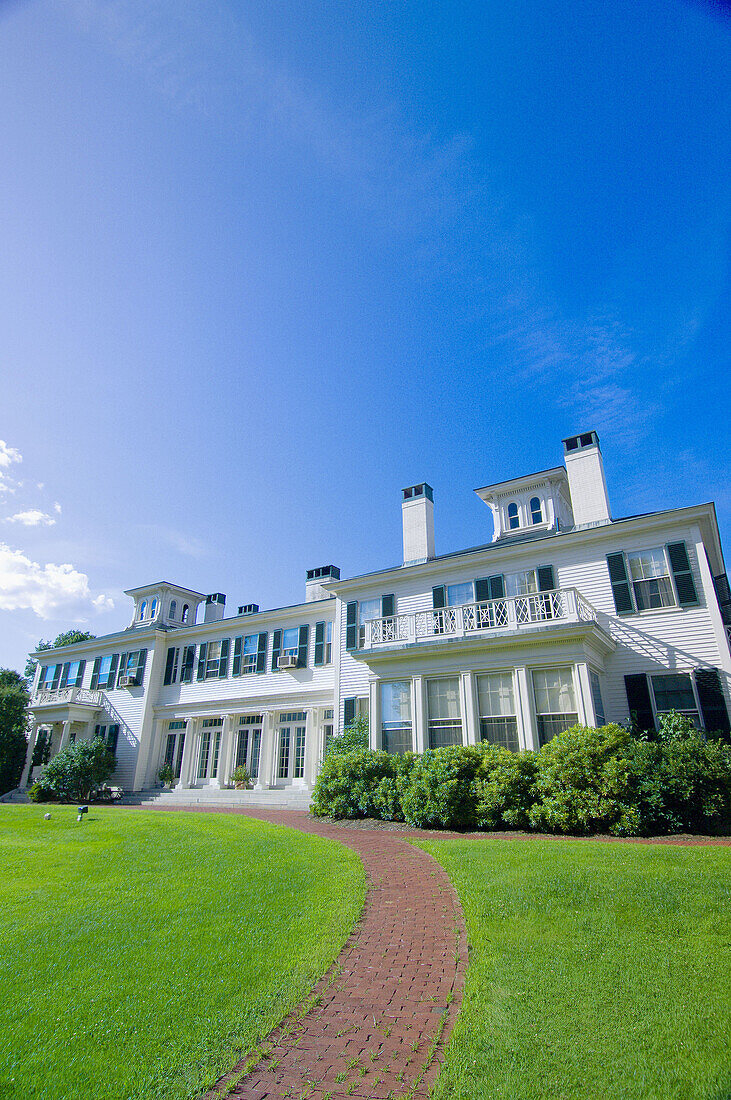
[(510, 613), (68, 695)]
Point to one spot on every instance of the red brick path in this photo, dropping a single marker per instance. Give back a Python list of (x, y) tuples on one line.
[(388, 1004)]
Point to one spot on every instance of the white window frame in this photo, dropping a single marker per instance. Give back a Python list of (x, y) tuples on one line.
[(290, 650), (697, 714), (249, 657), (628, 556)]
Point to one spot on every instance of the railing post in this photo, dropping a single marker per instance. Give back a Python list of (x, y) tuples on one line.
[(572, 607), (512, 614)]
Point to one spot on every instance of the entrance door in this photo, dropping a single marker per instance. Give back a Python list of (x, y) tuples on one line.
[(291, 746)]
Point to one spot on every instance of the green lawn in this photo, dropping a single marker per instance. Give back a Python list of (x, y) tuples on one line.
[(597, 971), (141, 953)]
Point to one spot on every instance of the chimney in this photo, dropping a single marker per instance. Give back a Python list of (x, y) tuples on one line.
[(587, 485), (248, 608), (417, 513), (316, 583), (215, 604)]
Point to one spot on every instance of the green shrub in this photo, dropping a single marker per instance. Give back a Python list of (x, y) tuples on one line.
[(504, 788), (353, 739), (440, 791), (348, 784), (39, 793), (387, 800), (75, 773), (693, 778)]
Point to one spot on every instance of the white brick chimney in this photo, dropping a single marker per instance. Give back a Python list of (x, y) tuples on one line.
[(215, 604), (417, 513), (587, 484)]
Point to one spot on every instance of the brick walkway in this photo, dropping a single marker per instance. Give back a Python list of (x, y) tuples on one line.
[(384, 1010)]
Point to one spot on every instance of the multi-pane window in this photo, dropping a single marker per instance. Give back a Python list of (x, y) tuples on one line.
[(460, 594), (369, 610), (107, 671), (445, 720), (513, 517), (255, 753), (249, 651), (555, 700), (536, 512), (396, 716), (496, 704), (173, 608), (521, 584), (48, 674), (650, 576), (213, 659), (186, 669), (328, 650), (132, 665), (210, 740), (175, 745), (171, 666), (596, 695), (248, 744), (327, 727), (299, 752), (291, 734), (70, 674), (674, 691), (290, 642)]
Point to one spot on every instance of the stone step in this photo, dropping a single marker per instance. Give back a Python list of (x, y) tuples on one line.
[(274, 799)]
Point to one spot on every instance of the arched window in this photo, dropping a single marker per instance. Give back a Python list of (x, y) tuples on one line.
[(153, 609), (513, 519), (536, 514), (184, 616), (143, 609), (173, 608)]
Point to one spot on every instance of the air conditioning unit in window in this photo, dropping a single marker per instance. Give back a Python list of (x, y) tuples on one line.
[(287, 662), (127, 681)]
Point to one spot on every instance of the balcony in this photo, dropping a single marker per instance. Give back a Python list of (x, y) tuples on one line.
[(509, 616), (67, 697)]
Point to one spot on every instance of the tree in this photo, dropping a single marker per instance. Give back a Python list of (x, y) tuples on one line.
[(76, 773), (13, 723), (69, 637)]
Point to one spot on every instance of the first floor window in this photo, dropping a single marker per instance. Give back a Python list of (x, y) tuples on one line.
[(109, 735), (248, 743), (445, 721), (596, 695), (396, 716), (284, 743), (651, 583), (674, 691), (299, 752), (555, 700), (255, 753), (496, 704), (210, 746)]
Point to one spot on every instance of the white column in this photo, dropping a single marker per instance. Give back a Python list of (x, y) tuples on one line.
[(527, 726), (65, 735), (309, 737), (584, 698), (313, 744), (266, 756), (223, 773), (32, 738), (418, 718), (375, 740), (189, 754), (469, 708)]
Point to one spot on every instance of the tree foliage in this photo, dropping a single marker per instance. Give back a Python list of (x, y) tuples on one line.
[(13, 722), (68, 637), (77, 772)]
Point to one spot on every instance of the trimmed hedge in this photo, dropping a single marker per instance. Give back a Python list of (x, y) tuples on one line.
[(584, 781)]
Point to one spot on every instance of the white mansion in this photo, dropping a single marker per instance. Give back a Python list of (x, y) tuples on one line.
[(567, 615)]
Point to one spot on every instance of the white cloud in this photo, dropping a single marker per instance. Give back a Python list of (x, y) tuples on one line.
[(57, 508), (8, 455), (32, 518), (51, 591)]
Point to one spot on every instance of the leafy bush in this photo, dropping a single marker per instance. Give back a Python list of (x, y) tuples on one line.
[(353, 739), (75, 773), (440, 792), (387, 799), (348, 784), (684, 785), (39, 793), (504, 788), (166, 774)]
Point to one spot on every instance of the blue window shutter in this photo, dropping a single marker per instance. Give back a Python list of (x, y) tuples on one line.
[(223, 663), (201, 675), (620, 584), (319, 643), (438, 596), (80, 674), (387, 605), (141, 661), (682, 573), (712, 701), (168, 677), (238, 646), (348, 712), (261, 652), (276, 649), (638, 701), (545, 578), (302, 648), (351, 625), (95, 673)]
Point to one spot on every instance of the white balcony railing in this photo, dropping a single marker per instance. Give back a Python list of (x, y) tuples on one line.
[(68, 695), (509, 614)]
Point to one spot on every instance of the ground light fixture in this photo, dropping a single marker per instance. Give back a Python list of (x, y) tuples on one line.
[(81, 811)]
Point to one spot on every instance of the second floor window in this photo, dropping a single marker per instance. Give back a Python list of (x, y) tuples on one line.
[(650, 576), (460, 594)]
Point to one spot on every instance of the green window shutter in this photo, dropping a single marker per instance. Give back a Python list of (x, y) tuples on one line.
[(387, 605), (351, 625), (682, 573), (80, 674), (114, 680), (712, 701), (141, 661), (482, 589), (348, 712), (112, 738), (497, 587), (261, 652), (56, 677), (203, 650), (319, 643), (168, 677), (186, 671), (276, 649), (545, 578), (438, 596), (65, 674), (639, 702), (723, 595), (620, 584), (223, 663), (116, 661), (238, 646), (95, 673), (302, 650)]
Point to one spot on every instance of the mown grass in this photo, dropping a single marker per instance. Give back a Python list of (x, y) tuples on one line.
[(596, 971), (142, 953)]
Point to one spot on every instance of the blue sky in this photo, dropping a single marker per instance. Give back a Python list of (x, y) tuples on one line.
[(263, 265)]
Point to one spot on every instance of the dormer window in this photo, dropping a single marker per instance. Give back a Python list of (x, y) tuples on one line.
[(184, 616), (173, 608), (536, 512), (143, 609), (513, 517), (153, 609)]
